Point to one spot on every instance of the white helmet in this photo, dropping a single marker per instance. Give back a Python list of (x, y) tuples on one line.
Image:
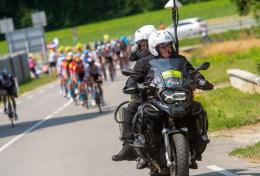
[(144, 32), (159, 37)]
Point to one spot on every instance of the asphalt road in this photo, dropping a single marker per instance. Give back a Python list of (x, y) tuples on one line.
[(54, 137)]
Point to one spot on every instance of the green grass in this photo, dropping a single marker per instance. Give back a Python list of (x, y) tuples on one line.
[(220, 63), (229, 107), (225, 36), (35, 83), (127, 25), (3, 48), (251, 152)]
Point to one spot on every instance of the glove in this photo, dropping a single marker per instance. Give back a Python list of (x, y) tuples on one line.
[(204, 85), (131, 87), (133, 55)]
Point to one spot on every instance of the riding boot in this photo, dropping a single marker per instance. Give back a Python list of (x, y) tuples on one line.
[(141, 164), (126, 153), (193, 165)]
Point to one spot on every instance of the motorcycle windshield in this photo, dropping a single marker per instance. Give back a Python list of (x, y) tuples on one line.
[(169, 73)]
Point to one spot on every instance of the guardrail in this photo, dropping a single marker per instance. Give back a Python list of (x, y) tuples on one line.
[(244, 81), (234, 25), (16, 64)]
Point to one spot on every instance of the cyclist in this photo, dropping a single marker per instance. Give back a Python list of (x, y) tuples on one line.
[(79, 71), (7, 82), (95, 74), (61, 59), (65, 72), (100, 59), (107, 54)]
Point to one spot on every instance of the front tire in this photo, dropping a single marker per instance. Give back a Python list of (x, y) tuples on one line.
[(181, 155)]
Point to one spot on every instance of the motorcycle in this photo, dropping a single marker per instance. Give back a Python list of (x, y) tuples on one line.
[(161, 123)]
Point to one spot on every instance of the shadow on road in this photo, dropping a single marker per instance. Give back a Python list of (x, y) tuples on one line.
[(233, 171), (6, 130)]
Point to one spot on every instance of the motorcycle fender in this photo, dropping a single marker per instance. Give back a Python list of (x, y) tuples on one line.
[(175, 130)]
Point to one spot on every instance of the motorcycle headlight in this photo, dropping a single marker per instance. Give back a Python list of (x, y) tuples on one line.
[(172, 96)]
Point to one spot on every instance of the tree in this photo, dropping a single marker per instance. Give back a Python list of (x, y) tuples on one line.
[(246, 6)]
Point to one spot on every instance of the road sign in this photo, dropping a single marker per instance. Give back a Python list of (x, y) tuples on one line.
[(39, 19), (28, 39), (6, 25)]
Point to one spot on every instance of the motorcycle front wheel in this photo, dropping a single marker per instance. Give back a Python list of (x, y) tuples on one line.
[(181, 155)]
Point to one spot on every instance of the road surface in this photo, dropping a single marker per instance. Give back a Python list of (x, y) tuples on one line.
[(53, 137)]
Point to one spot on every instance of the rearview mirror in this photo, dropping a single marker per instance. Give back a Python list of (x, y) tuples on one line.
[(128, 72), (203, 66)]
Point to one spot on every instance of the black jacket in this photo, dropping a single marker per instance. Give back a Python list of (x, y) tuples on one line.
[(145, 74), (138, 54)]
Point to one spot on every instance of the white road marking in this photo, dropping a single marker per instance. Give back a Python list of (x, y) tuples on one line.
[(220, 170), (60, 109), (56, 112), (32, 128), (41, 92), (30, 97)]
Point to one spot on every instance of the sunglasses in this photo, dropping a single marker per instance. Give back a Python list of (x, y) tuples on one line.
[(164, 45)]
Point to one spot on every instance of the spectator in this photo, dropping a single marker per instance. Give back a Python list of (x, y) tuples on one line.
[(52, 58), (32, 65)]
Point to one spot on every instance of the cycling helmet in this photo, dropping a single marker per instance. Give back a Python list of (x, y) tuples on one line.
[(5, 79), (61, 49), (106, 38), (69, 56), (87, 60), (144, 32), (68, 49), (77, 58), (159, 37), (79, 46), (86, 52), (4, 74), (124, 39)]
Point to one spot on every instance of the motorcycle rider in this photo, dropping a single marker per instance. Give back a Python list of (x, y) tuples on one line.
[(161, 46), (141, 51)]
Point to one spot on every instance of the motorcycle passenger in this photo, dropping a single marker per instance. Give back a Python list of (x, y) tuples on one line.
[(161, 46), (141, 39), (7, 82)]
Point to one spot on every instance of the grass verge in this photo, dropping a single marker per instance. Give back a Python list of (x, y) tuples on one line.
[(252, 152), (229, 107), (253, 32), (32, 84), (220, 63)]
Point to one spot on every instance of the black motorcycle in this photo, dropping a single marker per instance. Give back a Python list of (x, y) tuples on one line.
[(161, 124)]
